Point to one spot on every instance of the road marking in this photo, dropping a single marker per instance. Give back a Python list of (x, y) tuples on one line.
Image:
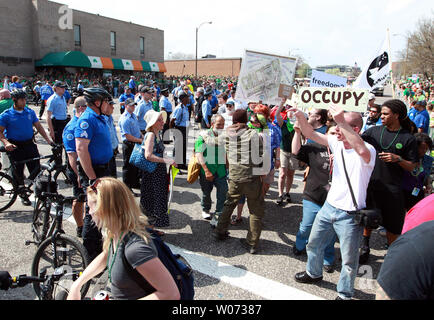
[(246, 280)]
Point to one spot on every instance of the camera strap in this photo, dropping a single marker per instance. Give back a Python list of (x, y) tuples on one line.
[(348, 181)]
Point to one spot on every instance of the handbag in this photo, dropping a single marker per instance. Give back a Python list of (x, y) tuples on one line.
[(193, 169), (138, 159), (368, 218)]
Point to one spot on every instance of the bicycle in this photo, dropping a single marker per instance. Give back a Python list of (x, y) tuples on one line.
[(52, 286), (59, 249), (9, 190)]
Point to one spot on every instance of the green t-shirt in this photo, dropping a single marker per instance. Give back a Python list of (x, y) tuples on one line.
[(218, 162), (5, 104)]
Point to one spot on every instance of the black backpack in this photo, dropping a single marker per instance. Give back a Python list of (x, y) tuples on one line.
[(198, 110), (178, 267)]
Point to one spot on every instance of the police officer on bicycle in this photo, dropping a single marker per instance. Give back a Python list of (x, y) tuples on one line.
[(94, 149), (16, 132)]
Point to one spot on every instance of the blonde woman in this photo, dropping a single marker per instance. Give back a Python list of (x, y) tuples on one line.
[(114, 210)]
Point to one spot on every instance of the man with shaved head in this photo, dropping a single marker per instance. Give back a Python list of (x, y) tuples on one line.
[(355, 157)]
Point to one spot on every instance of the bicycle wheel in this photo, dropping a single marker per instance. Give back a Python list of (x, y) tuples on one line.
[(70, 254), (41, 219), (8, 191)]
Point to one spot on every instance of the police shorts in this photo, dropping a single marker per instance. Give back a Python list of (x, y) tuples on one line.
[(288, 160), (78, 192)]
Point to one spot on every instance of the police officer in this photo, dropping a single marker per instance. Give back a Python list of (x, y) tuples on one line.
[(46, 92), (37, 91), (180, 121), (115, 145), (57, 112), (16, 133), (206, 110), (144, 106), (130, 134), (94, 149), (72, 164), (123, 97), (165, 105)]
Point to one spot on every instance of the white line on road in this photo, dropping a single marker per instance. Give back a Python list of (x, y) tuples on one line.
[(260, 286)]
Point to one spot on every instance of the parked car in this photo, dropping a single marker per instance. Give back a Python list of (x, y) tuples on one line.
[(379, 91)]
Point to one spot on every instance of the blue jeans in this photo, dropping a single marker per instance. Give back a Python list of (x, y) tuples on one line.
[(328, 221), (221, 185), (310, 210)]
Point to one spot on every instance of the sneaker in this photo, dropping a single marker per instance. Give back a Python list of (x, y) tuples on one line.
[(25, 201), (297, 252), (364, 255), (79, 231), (248, 247), (206, 215), (214, 221), (288, 197), (329, 268), (280, 200)]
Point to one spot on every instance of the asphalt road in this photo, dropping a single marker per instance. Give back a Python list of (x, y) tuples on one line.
[(223, 270)]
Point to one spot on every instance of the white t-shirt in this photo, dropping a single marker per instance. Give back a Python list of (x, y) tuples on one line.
[(359, 172), (228, 119)]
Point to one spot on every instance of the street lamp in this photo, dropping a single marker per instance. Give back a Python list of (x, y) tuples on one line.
[(197, 29)]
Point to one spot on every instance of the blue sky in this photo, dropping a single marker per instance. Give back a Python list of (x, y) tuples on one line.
[(323, 32)]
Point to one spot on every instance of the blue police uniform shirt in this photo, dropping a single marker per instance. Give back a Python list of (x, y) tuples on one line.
[(37, 89), (57, 105), (15, 86), (113, 135), (18, 125), (206, 110), (67, 95), (181, 115), (421, 120), (140, 112), (94, 127), (132, 84), (80, 87), (412, 113), (46, 92), (165, 104), (68, 135), (128, 124)]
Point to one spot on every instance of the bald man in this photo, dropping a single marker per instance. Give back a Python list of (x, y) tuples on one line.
[(337, 216)]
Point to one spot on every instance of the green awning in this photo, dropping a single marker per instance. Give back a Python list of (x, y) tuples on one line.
[(80, 60), (65, 59)]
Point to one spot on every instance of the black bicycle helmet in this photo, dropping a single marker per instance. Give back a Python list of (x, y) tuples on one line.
[(18, 94), (97, 94)]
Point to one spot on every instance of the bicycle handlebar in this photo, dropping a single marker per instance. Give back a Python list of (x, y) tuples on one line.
[(58, 197), (7, 282)]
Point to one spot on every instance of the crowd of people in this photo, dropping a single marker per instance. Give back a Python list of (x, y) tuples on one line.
[(379, 159)]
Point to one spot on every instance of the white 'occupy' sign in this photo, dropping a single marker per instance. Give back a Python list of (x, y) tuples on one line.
[(323, 79), (321, 98), (261, 75)]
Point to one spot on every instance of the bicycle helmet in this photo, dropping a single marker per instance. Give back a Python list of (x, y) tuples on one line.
[(97, 94), (18, 94)]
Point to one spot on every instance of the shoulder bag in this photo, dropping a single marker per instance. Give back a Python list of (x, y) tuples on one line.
[(368, 218)]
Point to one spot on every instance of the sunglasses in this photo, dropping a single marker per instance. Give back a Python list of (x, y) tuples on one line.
[(95, 185)]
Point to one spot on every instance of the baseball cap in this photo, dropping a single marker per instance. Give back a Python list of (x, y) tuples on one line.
[(146, 89), (60, 84), (130, 102)]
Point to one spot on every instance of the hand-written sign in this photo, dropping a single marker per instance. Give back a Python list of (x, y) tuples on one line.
[(321, 98)]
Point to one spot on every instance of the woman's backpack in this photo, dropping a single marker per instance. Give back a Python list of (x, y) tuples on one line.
[(178, 267)]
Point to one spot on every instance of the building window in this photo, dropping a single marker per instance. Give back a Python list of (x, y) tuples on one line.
[(77, 35), (113, 41), (142, 45)]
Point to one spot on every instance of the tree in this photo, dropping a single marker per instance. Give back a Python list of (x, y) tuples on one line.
[(418, 56)]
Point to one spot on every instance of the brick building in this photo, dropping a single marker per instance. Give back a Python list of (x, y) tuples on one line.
[(227, 67), (42, 33)]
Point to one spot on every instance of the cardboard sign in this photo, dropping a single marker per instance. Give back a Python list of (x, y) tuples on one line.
[(321, 98), (262, 74), (323, 79), (285, 91)]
